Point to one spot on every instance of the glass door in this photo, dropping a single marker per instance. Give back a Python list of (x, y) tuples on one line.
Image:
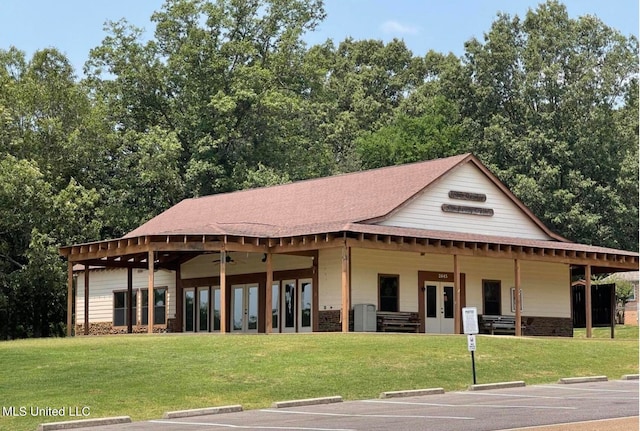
[(306, 306), (203, 309), (215, 308), (289, 306), (439, 308), (189, 310), (275, 306), (244, 308)]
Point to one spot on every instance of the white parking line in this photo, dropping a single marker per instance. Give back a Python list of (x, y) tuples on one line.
[(486, 394), (492, 406), (212, 424), (353, 415), (570, 388)]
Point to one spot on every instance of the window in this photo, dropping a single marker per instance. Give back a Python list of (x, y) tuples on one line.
[(513, 300), (120, 314), (388, 286), (431, 292), (159, 310), (491, 297)]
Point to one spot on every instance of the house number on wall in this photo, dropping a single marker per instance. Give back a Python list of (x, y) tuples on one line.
[(443, 275)]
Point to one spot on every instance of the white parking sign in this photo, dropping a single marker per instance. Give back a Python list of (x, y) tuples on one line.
[(471, 342), (470, 320)]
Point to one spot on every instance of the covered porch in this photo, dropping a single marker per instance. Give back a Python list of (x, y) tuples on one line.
[(453, 251)]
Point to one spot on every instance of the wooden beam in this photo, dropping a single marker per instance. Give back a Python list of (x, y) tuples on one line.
[(268, 307), (86, 300), (129, 308), (150, 292), (69, 298), (587, 295), (517, 298), (223, 291), (457, 313), (180, 301), (346, 306)]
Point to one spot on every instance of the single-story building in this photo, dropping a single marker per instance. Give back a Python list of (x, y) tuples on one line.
[(423, 240)]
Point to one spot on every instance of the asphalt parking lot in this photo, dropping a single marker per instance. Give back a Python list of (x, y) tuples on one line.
[(496, 409)]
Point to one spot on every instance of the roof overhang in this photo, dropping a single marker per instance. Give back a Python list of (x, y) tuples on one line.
[(170, 250)]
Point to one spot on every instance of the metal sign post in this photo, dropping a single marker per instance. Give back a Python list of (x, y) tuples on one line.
[(471, 344), (470, 326)]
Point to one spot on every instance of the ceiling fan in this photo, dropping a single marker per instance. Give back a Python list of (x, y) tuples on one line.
[(228, 259)]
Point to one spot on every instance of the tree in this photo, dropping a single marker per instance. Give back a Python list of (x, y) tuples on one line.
[(436, 133), (226, 78), (43, 144), (548, 103)]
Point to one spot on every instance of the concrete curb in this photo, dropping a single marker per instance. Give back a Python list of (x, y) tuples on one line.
[(499, 385), (84, 423), (571, 380), (307, 402), (412, 393), (631, 377), (202, 412)]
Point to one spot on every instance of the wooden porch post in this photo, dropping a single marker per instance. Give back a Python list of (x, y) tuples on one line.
[(457, 313), (179, 302), (150, 294), (69, 298), (587, 295), (346, 288), (517, 298), (86, 300), (223, 292), (130, 315), (268, 303)]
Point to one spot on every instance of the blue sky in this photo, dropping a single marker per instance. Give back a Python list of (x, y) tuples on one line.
[(76, 26)]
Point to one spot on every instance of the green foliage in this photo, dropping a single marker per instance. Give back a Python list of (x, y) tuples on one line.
[(551, 105), (225, 95), (436, 133)]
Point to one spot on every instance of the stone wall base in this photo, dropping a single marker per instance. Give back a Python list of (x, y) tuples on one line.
[(548, 326), (107, 328), (329, 321)]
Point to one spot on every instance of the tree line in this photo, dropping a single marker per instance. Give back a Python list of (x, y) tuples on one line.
[(226, 95)]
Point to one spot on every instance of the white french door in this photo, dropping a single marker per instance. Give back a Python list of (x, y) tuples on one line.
[(439, 307), (244, 308), (296, 311)]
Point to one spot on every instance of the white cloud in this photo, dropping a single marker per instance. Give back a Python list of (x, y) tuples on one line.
[(396, 27)]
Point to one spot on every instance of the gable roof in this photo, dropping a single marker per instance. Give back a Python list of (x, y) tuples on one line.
[(313, 206)]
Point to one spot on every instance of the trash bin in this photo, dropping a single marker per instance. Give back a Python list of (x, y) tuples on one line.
[(364, 318)]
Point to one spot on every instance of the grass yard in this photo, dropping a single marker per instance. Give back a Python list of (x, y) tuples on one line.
[(145, 375), (621, 332)]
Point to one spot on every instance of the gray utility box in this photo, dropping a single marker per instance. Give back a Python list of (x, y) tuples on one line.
[(364, 318)]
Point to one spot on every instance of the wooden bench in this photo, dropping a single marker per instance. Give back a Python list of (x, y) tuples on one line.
[(499, 325), (397, 321)]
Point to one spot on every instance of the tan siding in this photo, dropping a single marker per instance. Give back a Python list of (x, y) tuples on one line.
[(425, 211), (330, 279), (244, 263), (367, 264), (102, 284), (545, 286)]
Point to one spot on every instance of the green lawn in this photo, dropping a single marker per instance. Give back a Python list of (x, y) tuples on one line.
[(620, 332), (145, 375)]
